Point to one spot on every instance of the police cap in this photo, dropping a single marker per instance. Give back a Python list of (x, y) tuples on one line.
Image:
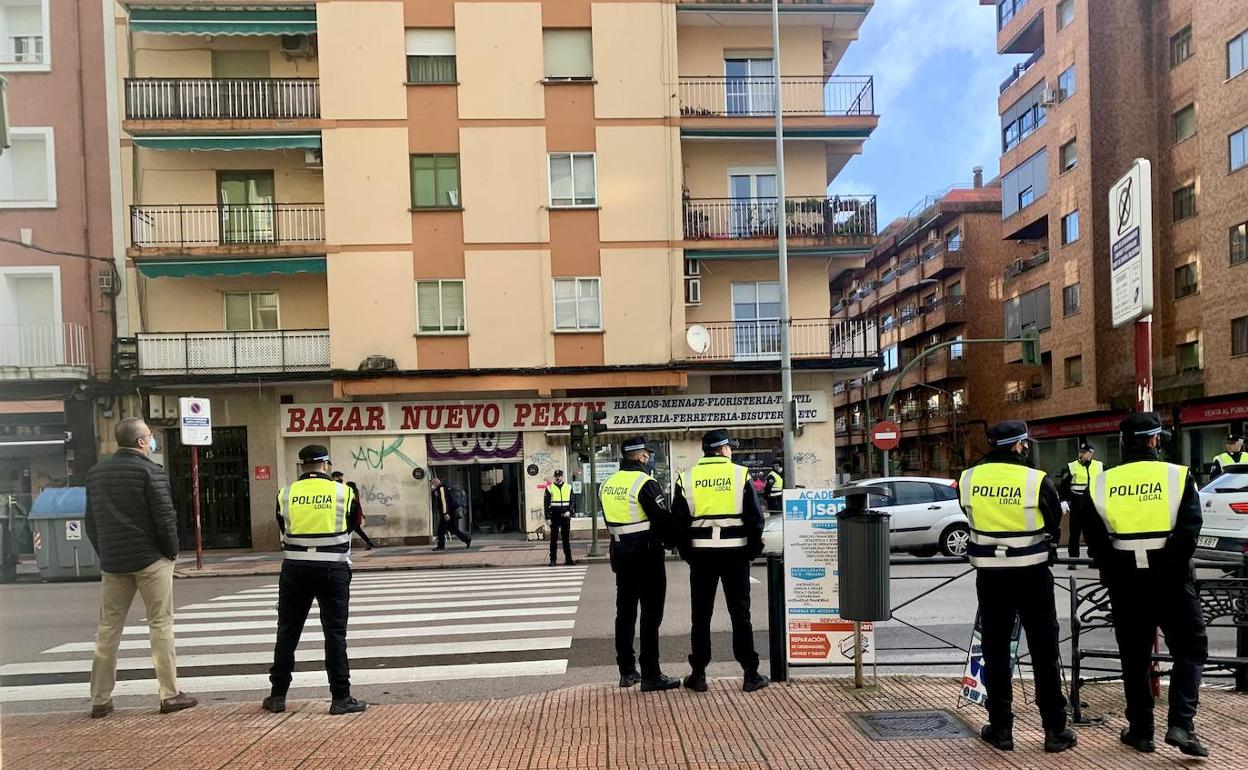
[(313, 453), (636, 444), (1141, 425), (1233, 438), (1008, 433), (714, 439), (559, 472), (1086, 447)]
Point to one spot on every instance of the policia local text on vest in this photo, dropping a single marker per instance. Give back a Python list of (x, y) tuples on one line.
[(1015, 517), (315, 516), (1143, 540)]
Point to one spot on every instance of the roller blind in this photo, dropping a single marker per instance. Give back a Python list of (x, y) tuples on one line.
[(568, 53), (430, 42)]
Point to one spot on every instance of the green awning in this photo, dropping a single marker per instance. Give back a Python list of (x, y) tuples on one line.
[(253, 142), (203, 268), (233, 20)]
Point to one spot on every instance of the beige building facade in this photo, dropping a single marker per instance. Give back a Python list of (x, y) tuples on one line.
[(443, 210)]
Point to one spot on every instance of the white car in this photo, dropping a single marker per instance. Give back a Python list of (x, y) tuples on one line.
[(1224, 503), (926, 518)]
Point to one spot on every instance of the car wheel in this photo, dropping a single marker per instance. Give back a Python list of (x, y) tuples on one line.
[(925, 553), (954, 540)]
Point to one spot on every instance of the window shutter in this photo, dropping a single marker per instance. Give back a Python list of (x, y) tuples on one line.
[(429, 306), (453, 306), (586, 187), (568, 53), (430, 42)]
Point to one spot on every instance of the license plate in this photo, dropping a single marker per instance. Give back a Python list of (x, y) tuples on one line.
[(1206, 542)]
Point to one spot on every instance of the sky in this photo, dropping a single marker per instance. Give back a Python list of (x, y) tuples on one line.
[(936, 83)]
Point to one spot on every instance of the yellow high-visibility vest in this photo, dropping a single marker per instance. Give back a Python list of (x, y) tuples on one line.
[(620, 505), (314, 514), (1139, 503), (1002, 503), (715, 491), (1081, 476), (560, 495), (777, 483)]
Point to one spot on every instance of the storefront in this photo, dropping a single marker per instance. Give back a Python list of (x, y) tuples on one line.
[(1203, 429), (1057, 441)]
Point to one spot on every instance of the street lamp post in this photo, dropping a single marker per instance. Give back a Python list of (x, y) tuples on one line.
[(782, 253)]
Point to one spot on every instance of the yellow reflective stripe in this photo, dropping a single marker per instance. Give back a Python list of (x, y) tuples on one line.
[(340, 506)]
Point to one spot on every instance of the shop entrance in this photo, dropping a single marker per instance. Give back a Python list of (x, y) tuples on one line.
[(495, 496)]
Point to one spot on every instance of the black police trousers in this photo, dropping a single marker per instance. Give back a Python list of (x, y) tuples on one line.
[(560, 526), (300, 583), (1080, 509), (1006, 593), (1142, 601), (709, 567), (450, 525), (640, 579)]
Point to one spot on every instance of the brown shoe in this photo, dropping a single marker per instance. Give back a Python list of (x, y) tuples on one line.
[(98, 712), (177, 703)]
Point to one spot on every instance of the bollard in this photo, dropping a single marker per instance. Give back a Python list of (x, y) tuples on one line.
[(777, 649), (1241, 641)]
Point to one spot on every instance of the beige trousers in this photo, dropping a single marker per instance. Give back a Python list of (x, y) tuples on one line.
[(155, 584)]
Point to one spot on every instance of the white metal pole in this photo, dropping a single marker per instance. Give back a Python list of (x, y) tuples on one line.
[(782, 262)]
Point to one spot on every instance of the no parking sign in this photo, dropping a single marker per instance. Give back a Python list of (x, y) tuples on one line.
[(73, 529)]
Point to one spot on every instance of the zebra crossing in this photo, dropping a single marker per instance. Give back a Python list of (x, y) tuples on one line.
[(404, 627)]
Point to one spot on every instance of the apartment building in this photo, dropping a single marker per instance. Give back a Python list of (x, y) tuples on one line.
[(432, 234), (933, 279), (57, 312), (1104, 83)]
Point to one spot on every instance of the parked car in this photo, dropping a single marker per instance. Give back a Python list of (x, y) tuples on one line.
[(926, 518), (1224, 503)]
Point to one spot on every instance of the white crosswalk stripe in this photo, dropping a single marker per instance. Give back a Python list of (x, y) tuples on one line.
[(471, 624)]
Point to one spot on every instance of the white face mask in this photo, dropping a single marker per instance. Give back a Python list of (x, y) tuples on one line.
[(151, 445)]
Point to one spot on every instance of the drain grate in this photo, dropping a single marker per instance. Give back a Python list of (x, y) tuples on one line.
[(910, 725)]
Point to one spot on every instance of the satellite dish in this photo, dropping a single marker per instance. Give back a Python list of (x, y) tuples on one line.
[(699, 338)]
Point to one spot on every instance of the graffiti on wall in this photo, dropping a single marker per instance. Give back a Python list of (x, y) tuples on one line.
[(372, 494), (373, 454)]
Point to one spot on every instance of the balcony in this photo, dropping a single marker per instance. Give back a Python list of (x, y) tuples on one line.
[(43, 351), (839, 218), (800, 96), (812, 340), (199, 100), (1024, 395), (1020, 266), (266, 228), (1020, 69), (183, 353), (22, 50)]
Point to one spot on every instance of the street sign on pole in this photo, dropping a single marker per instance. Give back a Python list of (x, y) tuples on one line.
[(886, 435), (195, 419), (1131, 244)]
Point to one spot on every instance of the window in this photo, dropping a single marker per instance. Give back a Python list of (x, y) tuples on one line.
[(1070, 227), (577, 304), (431, 56), (1025, 310), (1185, 280), (435, 181), (887, 322), (568, 54), (1181, 46), (1185, 123), (1238, 142), (912, 493), (440, 307), (889, 354), (1185, 202), (955, 289), (1026, 197), (1021, 120), (24, 35), (1024, 184), (1074, 371), (1070, 299), (573, 181), (1189, 356), (28, 170), (756, 319), (1237, 55), (1239, 336), (953, 240), (1066, 84), (957, 351), (251, 311), (1069, 155), (1239, 243), (1006, 10), (1065, 13)]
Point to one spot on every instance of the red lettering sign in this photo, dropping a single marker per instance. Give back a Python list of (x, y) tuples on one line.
[(1222, 411), (295, 420), (523, 411), (376, 418)]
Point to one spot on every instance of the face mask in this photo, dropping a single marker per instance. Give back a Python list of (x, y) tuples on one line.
[(650, 464), (151, 445)]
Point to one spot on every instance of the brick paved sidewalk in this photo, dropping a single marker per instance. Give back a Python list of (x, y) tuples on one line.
[(800, 725)]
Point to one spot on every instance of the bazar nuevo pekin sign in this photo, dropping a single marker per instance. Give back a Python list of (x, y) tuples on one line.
[(638, 413)]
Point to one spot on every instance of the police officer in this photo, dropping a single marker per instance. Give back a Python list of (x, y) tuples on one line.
[(1015, 516), (1143, 541), (558, 505), (1073, 489), (773, 492), (368, 542), (315, 516), (639, 523), (1233, 455), (449, 503), (721, 520)]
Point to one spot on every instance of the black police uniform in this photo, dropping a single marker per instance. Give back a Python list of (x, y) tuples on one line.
[(560, 524), (448, 503), (773, 493), (1161, 595), (1236, 457), (708, 567), (1080, 508)]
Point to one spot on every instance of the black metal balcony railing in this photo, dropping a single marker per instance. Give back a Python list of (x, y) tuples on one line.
[(755, 96), (227, 224), (1020, 266), (1019, 69), (850, 216), (222, 98)]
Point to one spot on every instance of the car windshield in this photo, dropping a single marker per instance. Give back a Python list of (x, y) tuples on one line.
[(1234, 481)]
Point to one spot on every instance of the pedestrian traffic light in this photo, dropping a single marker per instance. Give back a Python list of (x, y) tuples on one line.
[(1031, 346), (597, 425), (578, 436)]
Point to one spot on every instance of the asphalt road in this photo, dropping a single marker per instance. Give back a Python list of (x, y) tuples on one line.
[(437, 635)]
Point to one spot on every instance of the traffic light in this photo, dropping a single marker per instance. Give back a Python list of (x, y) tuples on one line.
[(578, 436), (597, 425), (1031, 346)]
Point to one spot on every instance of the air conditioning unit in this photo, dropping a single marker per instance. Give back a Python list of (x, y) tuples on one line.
[(298, 46), (693, 291), (692, 267), (313, 159), (378, 364), (1048, 97), (108, 286)]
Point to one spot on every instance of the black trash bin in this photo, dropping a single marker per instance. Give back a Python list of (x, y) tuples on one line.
[(862, 555)]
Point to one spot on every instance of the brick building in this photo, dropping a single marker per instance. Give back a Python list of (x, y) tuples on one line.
[(1165, 81)]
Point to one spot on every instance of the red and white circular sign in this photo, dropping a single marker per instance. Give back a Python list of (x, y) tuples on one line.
[(886, 435)]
